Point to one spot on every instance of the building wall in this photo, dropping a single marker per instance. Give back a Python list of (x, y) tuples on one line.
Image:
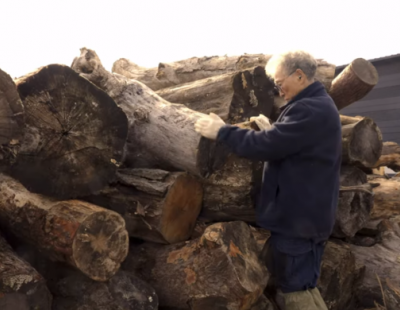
[(382, 104)]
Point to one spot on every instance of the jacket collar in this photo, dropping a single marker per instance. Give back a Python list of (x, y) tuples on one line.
[(312, 90)]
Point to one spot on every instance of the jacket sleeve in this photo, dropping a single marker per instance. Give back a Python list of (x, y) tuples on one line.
[(287, 137)]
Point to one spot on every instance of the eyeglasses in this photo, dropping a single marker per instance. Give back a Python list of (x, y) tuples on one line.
[(278, 88)]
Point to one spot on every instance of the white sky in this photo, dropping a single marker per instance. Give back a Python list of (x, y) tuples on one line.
[(35, 33)]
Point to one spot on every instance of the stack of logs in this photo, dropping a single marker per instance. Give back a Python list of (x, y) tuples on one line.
[(110, 199)]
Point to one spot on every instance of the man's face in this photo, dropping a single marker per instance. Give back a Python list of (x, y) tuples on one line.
[(289, 85)]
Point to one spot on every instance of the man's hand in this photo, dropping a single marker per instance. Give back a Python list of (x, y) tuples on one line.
[(208, 126), (261, 121)]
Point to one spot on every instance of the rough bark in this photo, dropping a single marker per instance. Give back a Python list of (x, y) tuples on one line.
[(390, 156), (262, 304), (123, 291), (73, 133), (220, 270), (340, 276), (161, 134), (339, 272), (381, 261), (193, 69), (157, 205), (21, 286), (355, 202), (353, 83), (233, 96), (11, 119), (361, 142), (386, 198), (90, 238)]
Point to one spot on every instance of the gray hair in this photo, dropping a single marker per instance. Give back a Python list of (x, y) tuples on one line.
[(291, 61)]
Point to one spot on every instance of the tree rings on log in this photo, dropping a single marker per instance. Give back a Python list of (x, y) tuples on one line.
[(88, 237), (73, 136)]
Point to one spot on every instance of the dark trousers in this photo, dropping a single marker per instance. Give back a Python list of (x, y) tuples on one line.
[(294, 263)]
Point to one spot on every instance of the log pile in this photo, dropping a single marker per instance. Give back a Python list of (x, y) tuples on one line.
[(123, 205)]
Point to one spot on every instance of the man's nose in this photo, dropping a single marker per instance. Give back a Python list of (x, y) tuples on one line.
[(281, 93)]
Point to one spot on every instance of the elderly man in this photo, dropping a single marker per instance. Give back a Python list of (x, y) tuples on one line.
[(302, 151)]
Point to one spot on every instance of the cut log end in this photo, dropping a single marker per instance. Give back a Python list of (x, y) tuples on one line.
[(181, 208), (100, 245), (74, 133), (364, 142), (365, 71)]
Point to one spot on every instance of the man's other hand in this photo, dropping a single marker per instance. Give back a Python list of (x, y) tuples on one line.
[(262, 122), (209, 125)]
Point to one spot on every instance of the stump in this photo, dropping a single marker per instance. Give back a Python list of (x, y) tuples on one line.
[(235, 97), (161, 134), (73, 133), (21, 286), (193, 69), (123, 291), (353, 83), (220, 268), (11, 119), (90, 238), (157, 206)]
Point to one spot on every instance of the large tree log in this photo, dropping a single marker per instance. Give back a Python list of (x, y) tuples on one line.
[(353, 83), (21, 286), (355, 202), (123, 291), (161, 134), (11, 119), (90, 238), (361, 141), (390, 156), (233, 96), (73, 133), (339, 272), (381, 261), (220, 270), (157, 205), (195, 68), (230, 194)]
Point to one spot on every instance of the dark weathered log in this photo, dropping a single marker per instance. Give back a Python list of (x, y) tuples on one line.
[(353, 83), (123, 291), (386, 198), (233, 96), (88, 237), (21, 286), (339, 272), (161, 134), (355, 202), (11, 119), (193, 69), (157, 205), (220, 268), (74, 131), (390, 156), (230, 194), (381, 261), (361, 142), (339, 276)]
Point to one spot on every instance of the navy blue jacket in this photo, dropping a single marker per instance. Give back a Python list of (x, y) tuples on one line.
[(302, 152)]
